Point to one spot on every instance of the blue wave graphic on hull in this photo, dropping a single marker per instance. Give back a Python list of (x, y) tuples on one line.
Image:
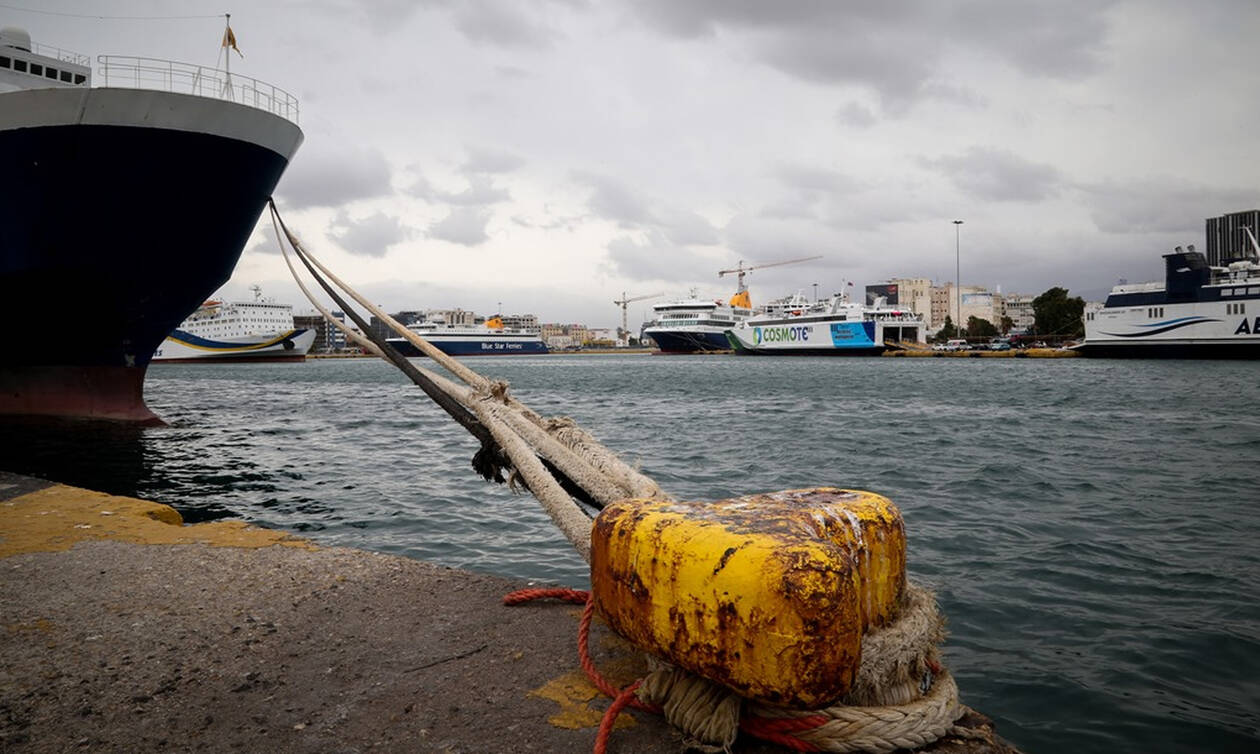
[(1163, 327), (206, 344)]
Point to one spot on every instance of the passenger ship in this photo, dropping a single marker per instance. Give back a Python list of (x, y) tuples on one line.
[(835, 327), (257, 330), (129, 193), (695, 325), (1198, 311), (492, 338)]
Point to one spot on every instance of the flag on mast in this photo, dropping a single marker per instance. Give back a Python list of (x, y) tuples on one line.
[(229, 40)]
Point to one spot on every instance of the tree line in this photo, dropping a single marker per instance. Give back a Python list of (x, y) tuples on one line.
[(1055, 315)]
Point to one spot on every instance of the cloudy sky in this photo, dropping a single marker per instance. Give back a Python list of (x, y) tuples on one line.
[(550, 155)]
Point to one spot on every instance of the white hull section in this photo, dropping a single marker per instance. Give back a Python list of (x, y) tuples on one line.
[(291, 345)]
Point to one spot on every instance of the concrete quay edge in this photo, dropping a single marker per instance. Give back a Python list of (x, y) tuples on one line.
[(125, 630)]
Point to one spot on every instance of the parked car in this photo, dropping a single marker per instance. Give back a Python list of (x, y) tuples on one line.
[(957, 344), (999, 345)]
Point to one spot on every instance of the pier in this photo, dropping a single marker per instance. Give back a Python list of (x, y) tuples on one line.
[(126, 630)]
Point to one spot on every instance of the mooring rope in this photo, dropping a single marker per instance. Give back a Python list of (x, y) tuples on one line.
[(711, 716), (902, 696)]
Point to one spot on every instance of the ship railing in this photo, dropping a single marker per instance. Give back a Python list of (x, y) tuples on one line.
[(187, 78), (65, 56)]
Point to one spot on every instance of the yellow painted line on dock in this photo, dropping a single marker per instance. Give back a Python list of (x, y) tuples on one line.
[(57, 517)]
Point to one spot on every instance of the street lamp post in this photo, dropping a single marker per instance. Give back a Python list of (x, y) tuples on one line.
[(815, 291), (957, 281)]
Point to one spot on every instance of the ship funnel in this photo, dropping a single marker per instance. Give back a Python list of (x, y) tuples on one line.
[(1177, 249), (11, 36)]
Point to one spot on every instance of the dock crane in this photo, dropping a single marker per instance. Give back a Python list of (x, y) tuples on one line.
[(741, 297), (626, 300)]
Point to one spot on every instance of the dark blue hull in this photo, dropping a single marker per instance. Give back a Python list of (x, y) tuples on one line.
[(474, 347), (109, 237), (682, 341), (1235, 351)]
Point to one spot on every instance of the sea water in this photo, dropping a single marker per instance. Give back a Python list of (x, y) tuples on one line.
[(1091, 527)]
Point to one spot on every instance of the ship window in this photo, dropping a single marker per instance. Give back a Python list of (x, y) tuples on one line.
[(19, 65), (79, 78), (1253, 290), (50, 73), (1227, 291), (4, 62), (65, 76), (37, 69)]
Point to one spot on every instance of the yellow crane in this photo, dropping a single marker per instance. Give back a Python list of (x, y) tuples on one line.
[(741, 297), (626, 300)]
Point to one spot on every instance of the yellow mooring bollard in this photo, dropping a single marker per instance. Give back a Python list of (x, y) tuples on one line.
[(767, 594)]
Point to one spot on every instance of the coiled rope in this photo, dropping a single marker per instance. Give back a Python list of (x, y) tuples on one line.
[(902, 697)]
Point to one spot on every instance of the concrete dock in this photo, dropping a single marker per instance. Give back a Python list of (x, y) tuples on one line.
[(123, 630)]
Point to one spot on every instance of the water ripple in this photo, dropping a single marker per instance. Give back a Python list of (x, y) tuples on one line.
[(1089, 526)]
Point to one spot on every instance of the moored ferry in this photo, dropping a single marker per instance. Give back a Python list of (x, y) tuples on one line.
[(233, 331), (492, 338), (696, 325), (1199, 311), (834, 327), (129, 196)]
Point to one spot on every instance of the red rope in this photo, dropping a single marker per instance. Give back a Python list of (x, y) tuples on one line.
[(522, 596), (610, 716), (778, 730), (775, 730)]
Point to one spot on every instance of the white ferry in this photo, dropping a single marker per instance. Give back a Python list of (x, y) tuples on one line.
[(837, 326), (257, 330), (493, 338), (695, 325), (1198, 311)]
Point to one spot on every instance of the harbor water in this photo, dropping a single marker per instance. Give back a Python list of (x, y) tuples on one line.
[(1091, 527)]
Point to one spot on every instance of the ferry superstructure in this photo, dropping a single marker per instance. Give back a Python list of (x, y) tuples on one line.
[(834, 327), (696, 325), (126, 205), (1198, 311), (492, 338), (234, 331)]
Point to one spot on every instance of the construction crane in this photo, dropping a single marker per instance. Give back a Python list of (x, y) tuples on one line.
[(625, 300), (741, 270)]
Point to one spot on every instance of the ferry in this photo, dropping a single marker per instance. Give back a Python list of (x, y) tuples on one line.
[(129, 193), (492, 338), (696, 325), (1199, 311), (219, 331), (834, 327)]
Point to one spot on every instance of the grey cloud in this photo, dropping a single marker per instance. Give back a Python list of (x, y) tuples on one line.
[(998, 175), (895, 48), (333, 178), (815, 180), (1162, 205), (368, 236), (656, 258), (1056, 38), (855, 114), (464, 225), (809, 187), (503, 23), (613, 200), (684, 228), (482, 160), (481, 192)]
